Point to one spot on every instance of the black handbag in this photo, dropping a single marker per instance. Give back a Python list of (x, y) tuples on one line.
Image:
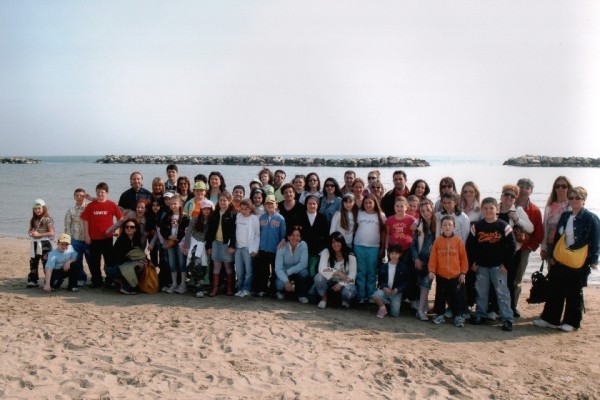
[(539, 287)]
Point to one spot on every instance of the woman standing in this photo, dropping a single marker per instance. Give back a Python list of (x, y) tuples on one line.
[(358, 190), (420, 188), (369, 242), (447, 185), (376, 187), (557, 204), (331, 202), (184, 189), (311, 188), (581, 228), (469, 201), (315, 231), (216, 184)]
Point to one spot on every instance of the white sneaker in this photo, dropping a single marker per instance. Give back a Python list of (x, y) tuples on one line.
[(439, 320), (544, 324), (200, 294), (303, 300), (181, 288), (239, 293), (566, 328), (422, 316), (492, 316), (280, 296), (345, 304), (245, 293), (322, 304), (171, 288)]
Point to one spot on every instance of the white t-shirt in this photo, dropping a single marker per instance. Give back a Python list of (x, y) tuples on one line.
[(391, 274), (367, 233)]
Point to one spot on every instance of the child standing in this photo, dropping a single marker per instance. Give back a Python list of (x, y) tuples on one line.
[(61, 262), (398, 225), (247, 236), (194, 245), (172, 229), (423, 239), (448, 264), (41, 232), (491, 247), (98, 217), (74, 228), (393, 279), (272, 232), (220, 242)]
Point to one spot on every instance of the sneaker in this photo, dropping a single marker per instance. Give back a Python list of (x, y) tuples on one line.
[(200, 294), (422, 316), (459, 322), (244, 293), (171, 288), (382, 312), (476, 320), (440, 319), (31, 285), (181, 288), (239, 293), (507, 326), (280, 296), (345, 304), (544, 324), (322, 304), (566, 328), (492, 316), (73, 289), (361, 301), (303, 300), (448, 313)]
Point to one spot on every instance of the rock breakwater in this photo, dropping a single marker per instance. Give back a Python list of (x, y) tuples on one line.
[(390, 161), (18, 160), (546, 161)]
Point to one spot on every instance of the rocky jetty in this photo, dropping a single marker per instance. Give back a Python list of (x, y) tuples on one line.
[(18, 160), (390, 161), (545, 161)]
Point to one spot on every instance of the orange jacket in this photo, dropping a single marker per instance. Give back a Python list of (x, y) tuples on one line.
[(448, 257)]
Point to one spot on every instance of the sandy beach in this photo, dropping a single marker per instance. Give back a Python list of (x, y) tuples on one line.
[(99, 344)]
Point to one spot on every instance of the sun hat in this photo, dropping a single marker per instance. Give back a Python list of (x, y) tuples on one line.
[(200, 186), (64, 238)]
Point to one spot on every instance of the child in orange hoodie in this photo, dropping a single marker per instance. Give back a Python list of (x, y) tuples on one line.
[(448, 264)]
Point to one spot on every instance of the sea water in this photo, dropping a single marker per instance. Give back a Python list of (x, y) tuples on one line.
[(55, 179)]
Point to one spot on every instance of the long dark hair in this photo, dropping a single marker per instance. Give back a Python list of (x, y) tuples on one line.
[(137, 236), (344, 221), (346, 251), (201, 221), (35, 218)]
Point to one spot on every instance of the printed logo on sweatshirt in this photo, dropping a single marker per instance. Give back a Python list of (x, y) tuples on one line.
[(489, 237)]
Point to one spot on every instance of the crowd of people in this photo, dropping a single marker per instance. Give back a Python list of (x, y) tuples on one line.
[(329, 244)]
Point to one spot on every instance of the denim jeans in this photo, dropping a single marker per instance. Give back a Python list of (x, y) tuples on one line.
[(515, 276), (82, 249), (176, 260), (301, 280), (243, 268), (394, 299), (367, 259), (485, 275), (322, 285)]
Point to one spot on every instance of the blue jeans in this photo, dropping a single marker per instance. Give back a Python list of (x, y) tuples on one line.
[(82, 249), (367, 259), (322, 285), (301, 279), (176, 260), (485, 275), (394, 299), (243, 268)]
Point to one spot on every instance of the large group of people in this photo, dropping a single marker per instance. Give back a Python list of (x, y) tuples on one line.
[(328, 244)]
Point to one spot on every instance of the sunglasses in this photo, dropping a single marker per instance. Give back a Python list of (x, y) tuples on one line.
[(561, 186), (572, 198), (446, 186), (371, 178), (329, 185), (509, 194), (129, 226)]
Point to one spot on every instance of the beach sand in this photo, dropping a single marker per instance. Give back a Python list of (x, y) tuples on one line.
[(100, 344)]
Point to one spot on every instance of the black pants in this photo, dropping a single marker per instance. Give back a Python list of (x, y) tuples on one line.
[(264, 272), (451, 292), (98, 249), (59, 275), (34, 262), (565, 292)]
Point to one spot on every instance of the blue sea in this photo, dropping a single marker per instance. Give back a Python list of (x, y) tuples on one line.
[(56, 177)]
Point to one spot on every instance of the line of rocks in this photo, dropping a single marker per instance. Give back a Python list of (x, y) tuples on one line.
[(19, 160), (546, 161), (389, 161)]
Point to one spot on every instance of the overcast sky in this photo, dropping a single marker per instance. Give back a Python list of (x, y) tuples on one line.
[(341, 77)]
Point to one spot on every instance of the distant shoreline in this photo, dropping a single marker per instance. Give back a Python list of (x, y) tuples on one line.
[(546, 161)]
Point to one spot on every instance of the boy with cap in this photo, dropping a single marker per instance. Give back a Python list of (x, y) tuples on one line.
[(272, 232), (59, 265)]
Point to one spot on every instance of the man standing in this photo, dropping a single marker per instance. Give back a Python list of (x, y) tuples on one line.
[(349, 177), (278, 180), (400, 189), (530, 242), (129, 198)]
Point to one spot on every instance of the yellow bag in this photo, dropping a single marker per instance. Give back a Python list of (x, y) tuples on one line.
[(149, 279), (570, 258)]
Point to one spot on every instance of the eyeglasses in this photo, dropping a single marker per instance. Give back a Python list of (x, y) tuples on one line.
[(327, 185), (129, 226), (446, 186), (560, 186), (572, 198), (371, 178), (509, 194)]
